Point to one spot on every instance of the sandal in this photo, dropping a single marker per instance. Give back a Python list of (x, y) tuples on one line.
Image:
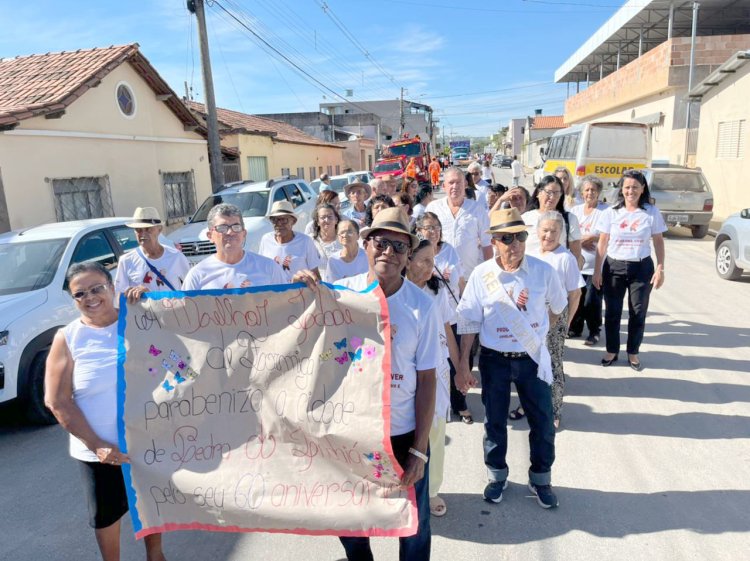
[(516, 414), (437, 506), (466, 417)]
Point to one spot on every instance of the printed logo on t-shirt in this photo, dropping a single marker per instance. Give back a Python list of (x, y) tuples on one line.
[(632, 226), (285, 263), (396, 380), (522, 300)]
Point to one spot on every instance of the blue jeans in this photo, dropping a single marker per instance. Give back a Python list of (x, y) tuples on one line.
[(412, 548), (536, 399)]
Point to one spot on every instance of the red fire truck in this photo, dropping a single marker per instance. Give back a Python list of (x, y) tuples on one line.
[(407, 148)]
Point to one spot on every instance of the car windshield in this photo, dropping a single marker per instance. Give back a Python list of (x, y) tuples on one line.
[(29, 265), (691, 182), (337, 184), (413, 149), (388, 166), (251, 204)]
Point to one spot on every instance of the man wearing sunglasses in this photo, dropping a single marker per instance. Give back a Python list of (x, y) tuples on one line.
[(415, 349), (511, 301), (231, 266)]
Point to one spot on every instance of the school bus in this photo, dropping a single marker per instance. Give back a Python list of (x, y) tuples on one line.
[(604, 149)]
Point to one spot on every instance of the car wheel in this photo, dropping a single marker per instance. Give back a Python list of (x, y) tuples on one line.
[(725, 265), (699, 232), (32, 401)]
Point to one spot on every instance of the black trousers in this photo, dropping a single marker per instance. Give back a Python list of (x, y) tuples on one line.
[(589, 310), (619, 277)]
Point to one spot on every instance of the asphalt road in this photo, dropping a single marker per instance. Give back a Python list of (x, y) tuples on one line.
[(651, 465)]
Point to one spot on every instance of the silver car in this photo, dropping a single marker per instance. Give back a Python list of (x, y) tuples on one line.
[(732, 246)]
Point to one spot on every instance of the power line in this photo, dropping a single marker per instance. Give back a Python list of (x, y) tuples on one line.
[(534, 85)]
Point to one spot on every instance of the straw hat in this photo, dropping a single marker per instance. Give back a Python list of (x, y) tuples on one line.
[(145, 217), (394, 220), (365, 186), (506, 220), (282, 208)]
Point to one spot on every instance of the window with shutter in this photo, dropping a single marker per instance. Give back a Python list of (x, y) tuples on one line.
[(730, 140)]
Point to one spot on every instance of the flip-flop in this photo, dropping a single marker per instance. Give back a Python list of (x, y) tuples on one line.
[(438, 507), (516, 414)]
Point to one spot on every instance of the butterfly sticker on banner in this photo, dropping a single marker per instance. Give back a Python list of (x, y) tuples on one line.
[(342, 359), (190, 373), (174, 356), (153, 351), (356, 355), (356, 343), (166, 365), (178, 378), (327, 355), (370, 352), (340, 344), (167, 386), (381, 464)]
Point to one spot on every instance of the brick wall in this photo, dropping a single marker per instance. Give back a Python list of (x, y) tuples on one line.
[(663, 67)]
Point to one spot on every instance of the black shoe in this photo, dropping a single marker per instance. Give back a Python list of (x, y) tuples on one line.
[(493, 493), (637, 366), (572, 334), (544, 495), (609, 362), (591, 340)]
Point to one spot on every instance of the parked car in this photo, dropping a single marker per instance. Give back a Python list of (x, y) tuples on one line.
[(254, 198), (732, 246), (34, 302), (682, 195), (506, 162), (339, 181)]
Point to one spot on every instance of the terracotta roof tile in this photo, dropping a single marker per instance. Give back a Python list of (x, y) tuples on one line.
[(548, 122), (38, 84), (282, 132)]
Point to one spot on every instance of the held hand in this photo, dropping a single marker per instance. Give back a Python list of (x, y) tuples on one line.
[(589, 243), (307, 276), (110, 454), (597, 280), (658, 278), (413, 472), (134, 293), (465, 380)]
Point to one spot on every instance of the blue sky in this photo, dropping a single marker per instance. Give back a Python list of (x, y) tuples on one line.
[(478, 64)]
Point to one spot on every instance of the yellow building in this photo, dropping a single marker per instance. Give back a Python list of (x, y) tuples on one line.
[(95, 133), (268, 148)]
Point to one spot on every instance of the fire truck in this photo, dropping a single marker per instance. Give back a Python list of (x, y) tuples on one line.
[(407, 148)]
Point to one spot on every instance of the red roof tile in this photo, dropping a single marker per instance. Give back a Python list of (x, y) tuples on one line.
[(283, 132), (39, 84), (548, 122)]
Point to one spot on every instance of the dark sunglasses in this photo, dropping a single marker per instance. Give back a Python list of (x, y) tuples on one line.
[(382, 244), (97, 289), (507, 239)]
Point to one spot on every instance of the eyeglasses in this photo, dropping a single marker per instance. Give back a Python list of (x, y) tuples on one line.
[(382, 244), (551, 193), (346, 233), (224, 228), (280, 219), (94, 290), (507, 239), (476, 173)]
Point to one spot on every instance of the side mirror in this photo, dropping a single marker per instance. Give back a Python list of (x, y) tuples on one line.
[(745, 213), (543, 154)]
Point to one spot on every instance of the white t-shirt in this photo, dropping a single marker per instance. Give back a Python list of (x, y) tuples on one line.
[(486, 173), (133, 271), (325, 251), (339, 269), (297, 254), (466, 232), (630, 232), (94, 352), (414, 346), (531, 218), (253, 268), (446, 313), (449, 265), (516, 169), (587, 225), (566, 266), (534, 286)]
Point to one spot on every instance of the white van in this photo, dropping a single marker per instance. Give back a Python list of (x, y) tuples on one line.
[(603, 149)]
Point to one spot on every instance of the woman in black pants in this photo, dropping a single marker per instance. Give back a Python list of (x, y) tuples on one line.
[(624, 263)]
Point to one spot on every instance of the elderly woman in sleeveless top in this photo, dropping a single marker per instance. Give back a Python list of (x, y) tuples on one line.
[(80, 390)]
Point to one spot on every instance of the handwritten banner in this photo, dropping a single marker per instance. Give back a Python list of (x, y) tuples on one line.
[(260, 409)]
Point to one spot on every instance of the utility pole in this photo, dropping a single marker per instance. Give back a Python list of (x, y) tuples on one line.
[(402, 122), (694, 30), (214, 144)]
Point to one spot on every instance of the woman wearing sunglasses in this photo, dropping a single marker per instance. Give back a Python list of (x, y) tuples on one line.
[(624, 263), (548, 196), (81, 391)]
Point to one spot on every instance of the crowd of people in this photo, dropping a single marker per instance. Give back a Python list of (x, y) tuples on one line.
[(485, 271)]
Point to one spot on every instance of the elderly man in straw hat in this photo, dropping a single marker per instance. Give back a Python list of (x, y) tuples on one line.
[(292, 251), (415, 350), (511, 301), (357, 193), (231, 266), (150, 266)]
